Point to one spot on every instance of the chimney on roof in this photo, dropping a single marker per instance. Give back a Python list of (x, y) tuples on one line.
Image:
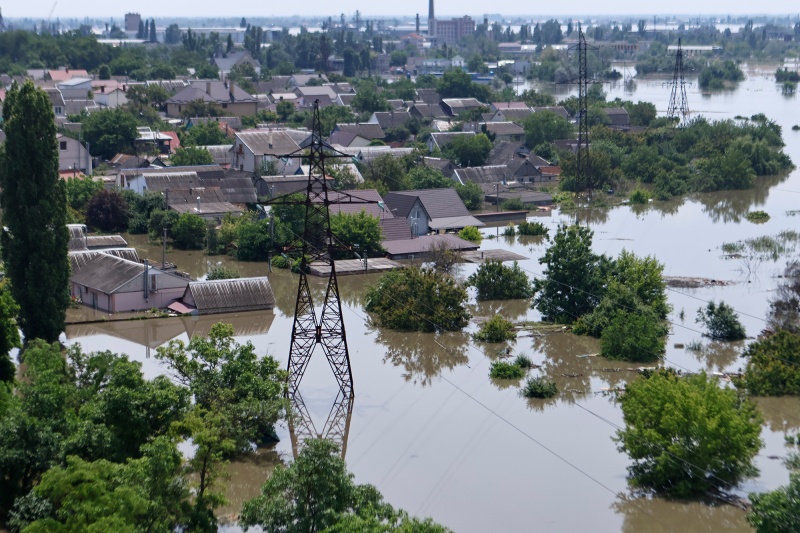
[(230, 90), (102, 88), (124, 87), (208, 88), (269, 139), (198, 203)]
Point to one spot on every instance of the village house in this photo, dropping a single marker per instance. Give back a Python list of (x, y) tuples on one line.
[(226, 62), (390, 119), (455, 106), (225, 296), (73, 157), (429, 210), (230, 97), (356, 135), (254, 150), (438, 140)]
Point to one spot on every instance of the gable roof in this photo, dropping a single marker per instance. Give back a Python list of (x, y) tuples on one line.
[(423, 110), (428, 96), (364, 129), (508, 105), (513, 114), (300, 80), (211, 91), (391, 119), (486, 174), (394, 229), (504, 128), (106, 273), (267, 142), (443, 138), (226, 62), (504, 152), (230, 295), (353, 202), (438, 203), (454, 106), (558, 110)]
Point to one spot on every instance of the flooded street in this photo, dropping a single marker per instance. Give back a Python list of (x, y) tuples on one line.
[(439, 438)]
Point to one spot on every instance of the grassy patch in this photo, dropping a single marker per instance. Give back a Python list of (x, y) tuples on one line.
[(766, 246), (496, 329), (523, 361), (539, 388), (757, 217)]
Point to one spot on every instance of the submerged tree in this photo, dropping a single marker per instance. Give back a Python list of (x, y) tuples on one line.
[(34, 203)]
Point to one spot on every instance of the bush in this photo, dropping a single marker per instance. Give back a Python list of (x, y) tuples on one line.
[(510, 230), (503, 370), (471, 234), (280, 261), (189, 231), (773, 365), (222, 272), (513, 204), (539, 388), (721, 322), (253, 240), (757, 217), (523, 361), (495, 281), (496, 329), (532, 228), (415, 299), (777, 511), (107, 211), (639, 196), (685, 435), (636, 336)]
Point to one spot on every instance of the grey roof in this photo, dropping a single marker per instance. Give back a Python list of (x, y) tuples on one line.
[(77, 237), (347, 98), (428, 96), (316, 91), (202, 171), (423, 110), (281, 185), (400, 205), (206, 208), (392, 119), (424, 243), (230, 295), (504, 152), (220, 153), (396, 103), (97, 242), (80, 259), (224, 63), (364, 129), (353, 202), (486, 174), (439, 203), (275, 84), (303, 79), (190, 94), (439, 163), (263, 142), (558, 110), (454, 106), (513, 114), (446, 223), (370, 153), (55, 96), (341, 87), (106, 273), (395, 229), (211, 91), (443, 138), (504, 128), (185, 186)]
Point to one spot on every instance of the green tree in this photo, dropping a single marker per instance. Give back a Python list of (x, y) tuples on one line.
[(773, 365), (361, 231), (253, 238), (222, 272), (545, 127), (686, 435), (80, 190), (368, 99), (496, 281), (721, 322), (425, 177), (316, 493), (573, 278), (107, 211), (641, 113), (284, 109), (471, 194), (469, 150), (776, 511), (34, 204), (415, 299), (472, 234), (109, 132), (386, 173), (160, 220), (9, 336), (455, 83), (190, 155), (636, 336), (204, 134), (189, 231), (331, 115), (496, 329)]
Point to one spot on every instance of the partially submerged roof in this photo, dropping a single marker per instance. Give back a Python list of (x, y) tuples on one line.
[(425, 243), (229, 295), (439, 203)]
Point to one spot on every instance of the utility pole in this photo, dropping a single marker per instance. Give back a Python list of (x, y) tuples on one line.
[(497, 196), (164, 251), (678, 103), (584, 164)]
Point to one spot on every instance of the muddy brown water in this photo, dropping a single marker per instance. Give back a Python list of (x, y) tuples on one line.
[(439, 438)]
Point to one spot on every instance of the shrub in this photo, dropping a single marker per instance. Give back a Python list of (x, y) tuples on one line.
[(523, 361), (773, 365), (636, 336), (280, 261), (721, 322), (415, 299), (532, 228), (503, 370), (471, 234), (639, 196), (222, 272), (539, 388), (189, 231), (510, 230), (672, 422), (777, 511), (107, 211), (513, 204), (496, 329), (757, 217), (495, 281)]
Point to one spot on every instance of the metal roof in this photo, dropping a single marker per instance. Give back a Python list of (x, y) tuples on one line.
[(106, 273), (229, 295), (369, 131), (439, 203), (274, 143), (454, 223), (424, 243), (96, 242), (80, 259)]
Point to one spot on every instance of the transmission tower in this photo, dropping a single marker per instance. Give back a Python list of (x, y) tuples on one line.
[(678, 104), (584, 167), (336, 428)]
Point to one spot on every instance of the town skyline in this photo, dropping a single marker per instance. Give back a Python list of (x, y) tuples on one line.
[(41, 9)]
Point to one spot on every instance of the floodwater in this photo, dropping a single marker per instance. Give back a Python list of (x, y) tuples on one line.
[(439, 438)]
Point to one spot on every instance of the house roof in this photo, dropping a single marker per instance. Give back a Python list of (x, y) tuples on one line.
[(394, 229), (346, 99), (98, 242), (424, 243), (220, 153), (428, 96), (226, 62), (514, 115), (392, 119), (439, 203), (67, 74), (446, 223), (558, 110), (458, 105), (281, 185), (81, 258), (205, 208), (424, 110), (353, 202), (211, 91), (439, 163), (184, 187), (504, 128), (509, 105), (443, 138), (316, 91), (266, 142), (485, 174), (367, 154), (302, 79), (55, 96), (274, 84), (341, 87), (203, 172), (106, 273), (363, 129), (74, 82), (230, 295)]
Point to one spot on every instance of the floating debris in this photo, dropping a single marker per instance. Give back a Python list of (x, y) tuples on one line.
[(694, 283)]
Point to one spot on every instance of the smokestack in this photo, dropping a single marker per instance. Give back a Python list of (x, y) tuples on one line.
[(230, 90), (208, 88), (198, 203), (417, 23), (430, 10)]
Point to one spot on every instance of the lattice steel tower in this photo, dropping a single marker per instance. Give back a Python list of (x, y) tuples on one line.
[(584, 167), (327, 329), (678, 104)]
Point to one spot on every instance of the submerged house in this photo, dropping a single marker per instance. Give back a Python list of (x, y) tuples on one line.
[(225, 296)]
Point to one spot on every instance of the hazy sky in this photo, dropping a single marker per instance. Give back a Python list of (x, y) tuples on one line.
[(370, 8)]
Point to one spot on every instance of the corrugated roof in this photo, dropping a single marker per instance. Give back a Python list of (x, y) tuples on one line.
[(80, 259), (486, 174), (424, 243), (274, 143), (364, 129), (207, 208), (229, 295), (454, 223), (439, 203), (106, 273), (505, 128), (392, 119), (443, 138), (202, 171), (96, 242)]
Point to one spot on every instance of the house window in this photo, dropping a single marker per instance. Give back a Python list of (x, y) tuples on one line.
[(224, 106), (62, 145), (58, 110)]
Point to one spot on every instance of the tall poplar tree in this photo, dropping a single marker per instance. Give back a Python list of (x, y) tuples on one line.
[(35, 238)]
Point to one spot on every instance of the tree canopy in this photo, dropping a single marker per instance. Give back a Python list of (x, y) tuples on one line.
[(469, 150), (773, 365), (496, 281), (34, 203), (109, 132), (687, 436)]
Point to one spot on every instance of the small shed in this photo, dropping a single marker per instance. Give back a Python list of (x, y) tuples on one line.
[(226, 296)]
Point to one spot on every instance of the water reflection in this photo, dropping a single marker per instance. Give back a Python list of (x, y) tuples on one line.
[(719, 356), (731, 206), (246, 474), (659, 515), (509, 309), (781, 414), (423, 355), (336, 428), (562, 363)]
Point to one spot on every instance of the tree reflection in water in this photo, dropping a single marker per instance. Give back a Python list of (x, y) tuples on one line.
[(719, 356), (660, 515), (731, 206), (423, 355), (781, 413)]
